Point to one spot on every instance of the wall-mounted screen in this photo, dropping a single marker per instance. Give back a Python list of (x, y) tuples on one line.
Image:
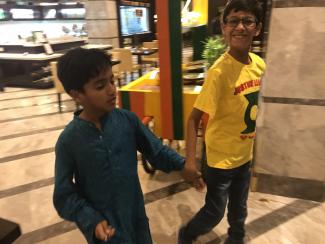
[(134, 20)]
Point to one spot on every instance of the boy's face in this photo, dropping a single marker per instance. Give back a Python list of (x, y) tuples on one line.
[(240, 29), (99, 94)]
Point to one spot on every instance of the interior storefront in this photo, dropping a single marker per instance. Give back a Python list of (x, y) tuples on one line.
[(161, 51)]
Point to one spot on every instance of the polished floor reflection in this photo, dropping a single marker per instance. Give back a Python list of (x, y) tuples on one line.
[(29, 127)]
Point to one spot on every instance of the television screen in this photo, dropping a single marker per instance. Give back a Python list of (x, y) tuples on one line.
[(134, 20)]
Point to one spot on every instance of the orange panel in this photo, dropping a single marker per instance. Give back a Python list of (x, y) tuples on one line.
[(137, 103), (165, 71)]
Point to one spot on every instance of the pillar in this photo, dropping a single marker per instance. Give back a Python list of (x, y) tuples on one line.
[(290, 155), (101, 22)]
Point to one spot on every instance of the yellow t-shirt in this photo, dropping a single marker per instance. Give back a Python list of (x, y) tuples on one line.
[(229, 96)]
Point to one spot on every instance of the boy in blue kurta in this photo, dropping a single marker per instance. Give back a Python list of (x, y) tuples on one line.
[(96, 180)]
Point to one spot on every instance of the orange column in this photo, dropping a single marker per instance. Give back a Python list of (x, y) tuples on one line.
[(170, 54)]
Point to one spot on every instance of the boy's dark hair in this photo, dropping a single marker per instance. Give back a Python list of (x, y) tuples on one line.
[(251, 6), (78, 66)]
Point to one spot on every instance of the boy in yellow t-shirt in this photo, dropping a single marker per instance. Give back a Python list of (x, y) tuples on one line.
[(229, 97)]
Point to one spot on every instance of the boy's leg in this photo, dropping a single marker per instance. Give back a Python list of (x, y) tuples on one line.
[(237, 205), (218, 182)]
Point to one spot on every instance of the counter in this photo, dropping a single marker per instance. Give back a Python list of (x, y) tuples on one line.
[(57, 45), (142, 96), (29, 69)]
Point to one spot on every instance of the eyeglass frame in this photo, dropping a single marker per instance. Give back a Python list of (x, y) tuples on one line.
[(242, 20)]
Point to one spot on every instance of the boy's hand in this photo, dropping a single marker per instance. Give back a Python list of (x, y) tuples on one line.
[(199, 184), (103, 231), (192, 175)]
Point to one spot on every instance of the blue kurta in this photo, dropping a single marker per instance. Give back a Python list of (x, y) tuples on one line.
[(96, 175)]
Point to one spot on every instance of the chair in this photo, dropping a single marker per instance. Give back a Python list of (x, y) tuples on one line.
[(57, 84), (152, 58), (126, 65)]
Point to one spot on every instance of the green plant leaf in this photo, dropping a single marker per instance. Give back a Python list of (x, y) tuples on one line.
[(214, 47)]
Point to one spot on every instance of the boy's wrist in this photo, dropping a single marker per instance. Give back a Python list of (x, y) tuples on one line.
[(190, 163)]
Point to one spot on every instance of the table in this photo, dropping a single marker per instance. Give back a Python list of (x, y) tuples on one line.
[(196, 62), (31, 47), (17, 69), (29, 57), (197, 68), (193, 78), (98, 46), (142, 52)]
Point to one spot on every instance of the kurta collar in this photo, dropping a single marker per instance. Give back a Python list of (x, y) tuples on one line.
[(81, 121)]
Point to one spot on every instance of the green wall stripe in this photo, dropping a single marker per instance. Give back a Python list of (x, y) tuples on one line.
[(125, 98), (176, 66)]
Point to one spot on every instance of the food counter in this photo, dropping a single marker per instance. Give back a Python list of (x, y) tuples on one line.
[(30, 47), (31, 70)]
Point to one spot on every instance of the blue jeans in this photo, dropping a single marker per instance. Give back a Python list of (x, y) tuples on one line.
[(223, 185)]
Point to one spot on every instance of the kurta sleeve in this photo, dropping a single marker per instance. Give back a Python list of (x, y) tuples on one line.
[(160, 156), (67, 200)]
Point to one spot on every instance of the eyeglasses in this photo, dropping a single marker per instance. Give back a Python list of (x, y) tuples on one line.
[(248, 22)]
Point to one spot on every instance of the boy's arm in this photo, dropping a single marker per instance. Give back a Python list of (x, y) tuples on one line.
[(160, 156), (190, 172), (67, 200), (206, 102)]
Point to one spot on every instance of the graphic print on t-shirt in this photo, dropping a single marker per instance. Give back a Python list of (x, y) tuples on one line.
[(251, 109), (250, 120)]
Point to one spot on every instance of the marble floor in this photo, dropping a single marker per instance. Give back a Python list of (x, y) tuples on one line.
[(29, 127)]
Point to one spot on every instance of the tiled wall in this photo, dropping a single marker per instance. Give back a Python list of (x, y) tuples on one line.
[(102, 24), (291, 124)]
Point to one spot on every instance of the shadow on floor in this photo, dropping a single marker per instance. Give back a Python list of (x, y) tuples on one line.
[(274, 219)]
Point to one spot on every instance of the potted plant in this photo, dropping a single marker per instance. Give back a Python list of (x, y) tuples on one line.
[(214, 47)]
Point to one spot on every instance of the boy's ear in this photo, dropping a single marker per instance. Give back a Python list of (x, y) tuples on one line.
[(76, 95), (258, 29)]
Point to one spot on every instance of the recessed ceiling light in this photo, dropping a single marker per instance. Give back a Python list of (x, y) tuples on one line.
[(48, 4)]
